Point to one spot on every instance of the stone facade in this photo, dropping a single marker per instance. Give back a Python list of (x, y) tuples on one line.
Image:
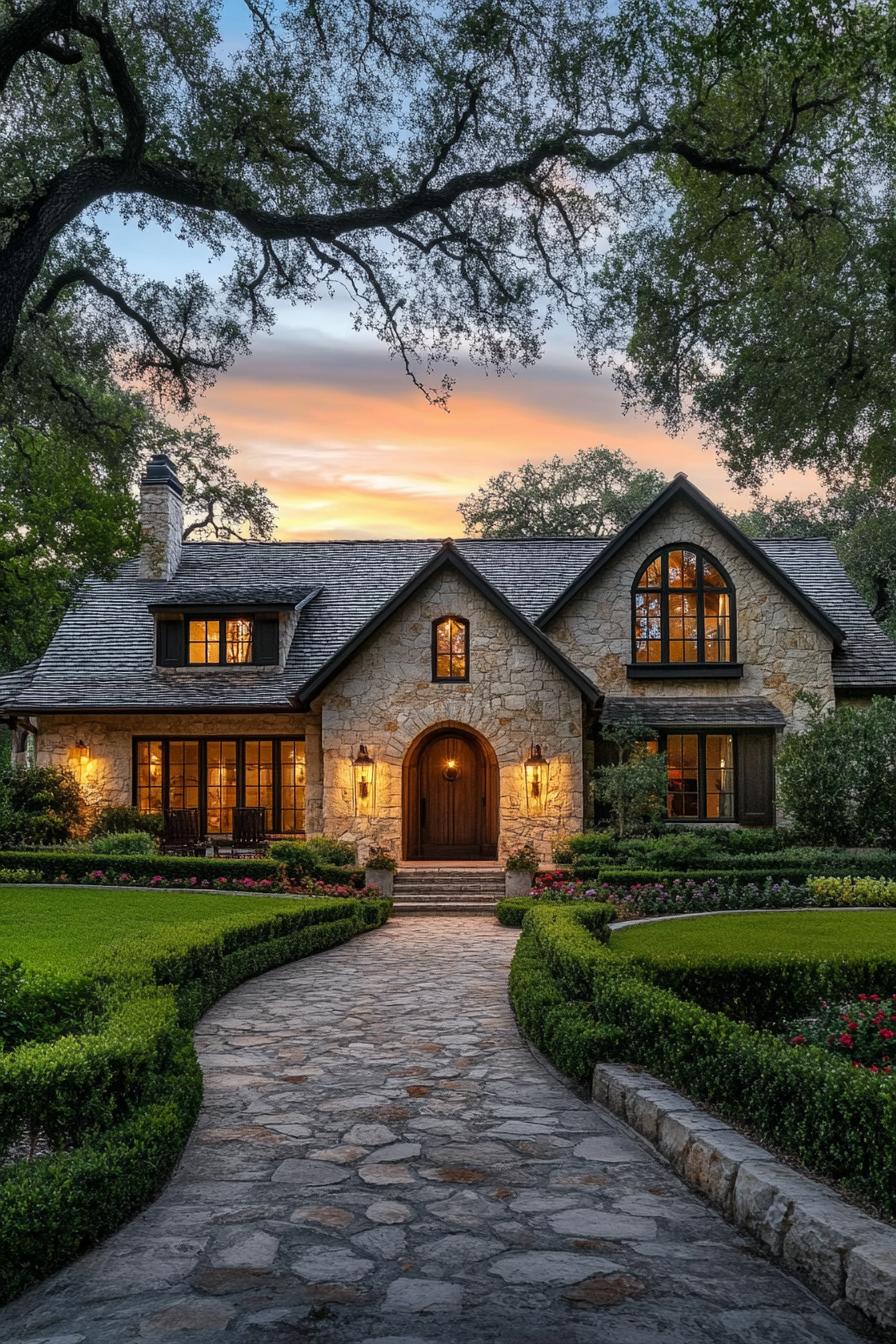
[(781, 649), (386, 698)]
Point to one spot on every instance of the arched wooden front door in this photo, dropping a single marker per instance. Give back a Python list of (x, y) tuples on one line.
[(451, 798)]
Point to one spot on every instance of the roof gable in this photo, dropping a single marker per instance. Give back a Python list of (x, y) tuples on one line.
[(679, 487), (447, 555)]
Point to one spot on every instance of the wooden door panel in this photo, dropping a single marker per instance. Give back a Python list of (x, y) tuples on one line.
[(451, 797)]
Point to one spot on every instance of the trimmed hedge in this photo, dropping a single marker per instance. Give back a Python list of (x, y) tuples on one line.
[(123, 1096), (51, 863), (597, 916), (741, 876), (48, 865), (760, 989), (808, 1103)]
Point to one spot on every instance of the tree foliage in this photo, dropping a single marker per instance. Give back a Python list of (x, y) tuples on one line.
[(859, 519), (838, 778), (457, 169), (592, 494), (764, 311)]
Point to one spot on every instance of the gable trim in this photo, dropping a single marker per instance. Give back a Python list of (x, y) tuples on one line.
[(447, 555), (680, 485)]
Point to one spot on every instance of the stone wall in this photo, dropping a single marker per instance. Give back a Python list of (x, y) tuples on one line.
[(781, 649), (386, 698), (106, 777)]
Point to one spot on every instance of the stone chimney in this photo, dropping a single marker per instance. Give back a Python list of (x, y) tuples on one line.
[(161, 519)]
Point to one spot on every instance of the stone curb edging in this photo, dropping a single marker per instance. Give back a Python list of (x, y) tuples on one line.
[(847, 1257)]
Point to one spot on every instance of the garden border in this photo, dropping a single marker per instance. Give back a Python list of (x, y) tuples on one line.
[(847, 1257)]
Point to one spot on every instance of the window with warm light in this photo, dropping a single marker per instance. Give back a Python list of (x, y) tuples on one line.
[(215, 639), (149, 776), (204, 642), (682, 610), (450, 649), (699, 776), (215, 775)]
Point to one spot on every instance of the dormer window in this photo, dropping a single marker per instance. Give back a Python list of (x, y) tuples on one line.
[(683, 615), (218, 639), (451, 649)]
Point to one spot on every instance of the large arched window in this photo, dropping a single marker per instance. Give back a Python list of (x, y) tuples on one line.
[(451, 649), (682, 609)]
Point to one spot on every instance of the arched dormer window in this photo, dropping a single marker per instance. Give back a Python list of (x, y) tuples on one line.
[(451, 649), (682, 610)]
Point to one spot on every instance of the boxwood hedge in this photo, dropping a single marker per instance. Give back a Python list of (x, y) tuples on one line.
[(116, 1102), (579, 1001)]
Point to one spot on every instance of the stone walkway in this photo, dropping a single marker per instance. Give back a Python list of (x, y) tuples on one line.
[(380, 1160)]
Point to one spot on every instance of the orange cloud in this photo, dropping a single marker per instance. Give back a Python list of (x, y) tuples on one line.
[(347, 447)]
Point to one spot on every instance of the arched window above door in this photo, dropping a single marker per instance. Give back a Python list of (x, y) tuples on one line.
[(451, 649), (683, 610)]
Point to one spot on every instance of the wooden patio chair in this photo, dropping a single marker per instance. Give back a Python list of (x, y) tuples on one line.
[(181, 834), (249, 836)]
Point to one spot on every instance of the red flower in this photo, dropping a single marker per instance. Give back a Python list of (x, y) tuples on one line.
[(886, 1034), (845, 1039)]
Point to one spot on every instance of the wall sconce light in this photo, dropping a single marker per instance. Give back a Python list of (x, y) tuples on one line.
[(79, 753), (536, 769), (363, 780)]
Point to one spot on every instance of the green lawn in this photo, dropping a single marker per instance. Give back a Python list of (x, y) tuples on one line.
[(821, 932), (50, 928)]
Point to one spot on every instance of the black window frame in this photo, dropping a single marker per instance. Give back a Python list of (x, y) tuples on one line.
[(702, 734), (700, 667), (461, 621), (168, 655), (240, 739)]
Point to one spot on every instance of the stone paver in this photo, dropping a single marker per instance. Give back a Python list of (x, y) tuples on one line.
[(380, 1160)]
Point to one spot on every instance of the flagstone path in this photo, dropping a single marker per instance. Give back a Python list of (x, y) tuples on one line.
[(381, 1160)]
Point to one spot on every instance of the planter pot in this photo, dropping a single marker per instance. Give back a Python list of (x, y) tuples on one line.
[(517, 883), (382, 879)]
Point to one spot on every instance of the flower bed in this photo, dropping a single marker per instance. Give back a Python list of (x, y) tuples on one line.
[(862, 1031)]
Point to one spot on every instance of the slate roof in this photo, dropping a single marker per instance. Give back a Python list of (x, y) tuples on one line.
[(102, 655), (698, 711)]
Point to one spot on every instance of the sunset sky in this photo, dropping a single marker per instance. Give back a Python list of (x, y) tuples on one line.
[(348, 447)]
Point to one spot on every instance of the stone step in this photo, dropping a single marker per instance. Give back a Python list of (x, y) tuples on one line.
[(440, 897), (442, 908), (460, 889)]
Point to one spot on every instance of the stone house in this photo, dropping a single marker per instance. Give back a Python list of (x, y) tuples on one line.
[(443, 699)]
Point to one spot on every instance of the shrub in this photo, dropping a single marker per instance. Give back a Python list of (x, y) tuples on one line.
[(634, 787), (113, 820), (805, 1103), (124, 842), (679, 849), (851, 891), (19, 875), (303, 858), (584, 844), (838, 778), (39, 806)]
